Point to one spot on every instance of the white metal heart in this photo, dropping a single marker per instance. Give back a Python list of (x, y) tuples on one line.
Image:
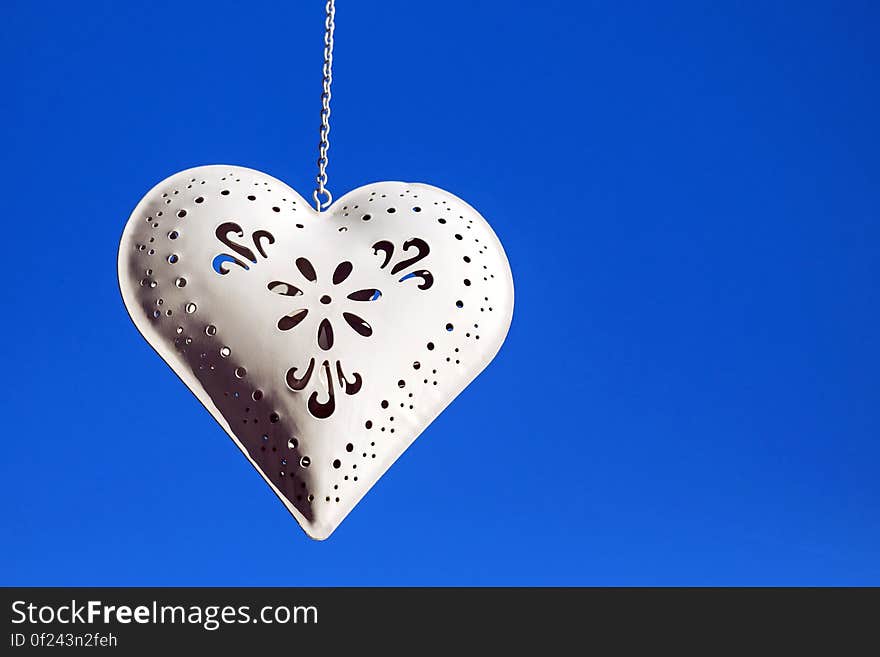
[(325, 343)]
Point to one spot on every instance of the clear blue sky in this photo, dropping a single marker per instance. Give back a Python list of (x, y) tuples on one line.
[(689, 194)]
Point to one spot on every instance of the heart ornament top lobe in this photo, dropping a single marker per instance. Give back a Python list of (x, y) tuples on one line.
[(323, 344)]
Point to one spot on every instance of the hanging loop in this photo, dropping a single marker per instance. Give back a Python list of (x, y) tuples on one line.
[(324, 142), (328, 199)]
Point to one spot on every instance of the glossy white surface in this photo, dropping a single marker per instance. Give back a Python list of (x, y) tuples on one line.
[(412, 282)]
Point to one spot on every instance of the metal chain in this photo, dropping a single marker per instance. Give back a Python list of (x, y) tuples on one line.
[(324, 144)]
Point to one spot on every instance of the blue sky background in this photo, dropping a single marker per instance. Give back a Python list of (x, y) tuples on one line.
[(688, 194)]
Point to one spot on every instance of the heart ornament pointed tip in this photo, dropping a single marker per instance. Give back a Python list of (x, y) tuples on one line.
[(323, 344)]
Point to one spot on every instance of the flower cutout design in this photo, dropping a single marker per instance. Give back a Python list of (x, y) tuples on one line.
[(321, 402), (296, 381), (325, 328)]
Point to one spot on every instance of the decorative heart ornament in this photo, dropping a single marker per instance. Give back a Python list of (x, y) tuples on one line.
[(325, 343)]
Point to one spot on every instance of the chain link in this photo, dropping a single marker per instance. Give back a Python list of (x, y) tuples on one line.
[(321, 191)]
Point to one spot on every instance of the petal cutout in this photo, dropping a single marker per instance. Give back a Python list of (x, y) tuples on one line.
[(358, 324), (289, 321), (286, 289), (369, 294), (342, 272), (306, 269), (325, 334)]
